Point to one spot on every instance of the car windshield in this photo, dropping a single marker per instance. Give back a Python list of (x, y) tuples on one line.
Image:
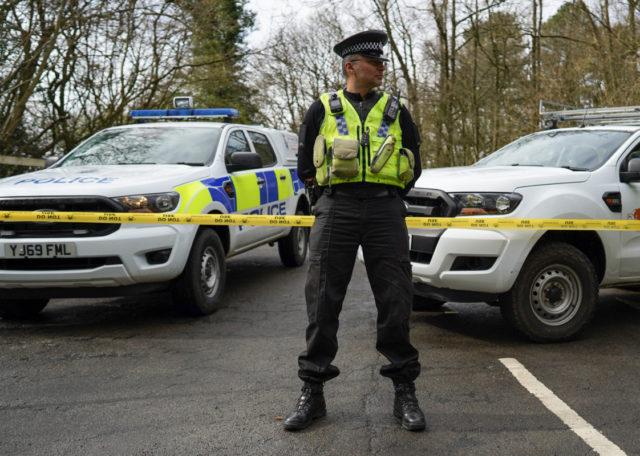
[(578, 150), (147, 145)]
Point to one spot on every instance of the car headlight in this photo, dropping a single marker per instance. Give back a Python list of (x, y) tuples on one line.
[(486, 203), (154, 202)]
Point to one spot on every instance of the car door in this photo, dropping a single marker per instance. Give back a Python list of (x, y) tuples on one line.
[(274, 182), (630, 240), (243, 190)]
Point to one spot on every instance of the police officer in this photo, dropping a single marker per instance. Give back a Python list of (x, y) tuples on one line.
[(361, 148)]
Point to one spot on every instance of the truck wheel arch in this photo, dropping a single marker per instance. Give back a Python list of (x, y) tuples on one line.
[(588, 242), (221, 230)]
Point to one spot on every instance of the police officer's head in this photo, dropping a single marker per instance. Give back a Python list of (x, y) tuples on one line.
[(365, 47)]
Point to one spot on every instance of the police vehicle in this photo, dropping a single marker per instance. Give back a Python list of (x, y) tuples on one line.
[(545, 281), (167, 164)]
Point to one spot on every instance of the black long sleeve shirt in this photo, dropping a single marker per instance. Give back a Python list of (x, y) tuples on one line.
[(314, 117)]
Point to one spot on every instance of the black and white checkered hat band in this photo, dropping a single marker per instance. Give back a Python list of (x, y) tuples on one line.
[(358, 48)]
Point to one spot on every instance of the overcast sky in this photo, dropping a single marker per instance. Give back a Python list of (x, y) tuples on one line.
[(273, 13)]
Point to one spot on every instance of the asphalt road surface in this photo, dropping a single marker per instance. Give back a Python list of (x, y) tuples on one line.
[(129, 377)]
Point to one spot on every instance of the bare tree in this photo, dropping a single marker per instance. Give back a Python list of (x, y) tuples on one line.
[(72, 67), (29, 35), (296, 67), (116, 54)]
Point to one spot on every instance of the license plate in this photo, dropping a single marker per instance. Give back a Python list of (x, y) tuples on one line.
[(40, 250)]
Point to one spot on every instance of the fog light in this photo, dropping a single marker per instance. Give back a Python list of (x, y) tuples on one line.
[(158, 257), (470, 263)]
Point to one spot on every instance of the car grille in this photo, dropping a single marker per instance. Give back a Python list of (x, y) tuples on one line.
[(427, 203), (57, 229), (424, 202)]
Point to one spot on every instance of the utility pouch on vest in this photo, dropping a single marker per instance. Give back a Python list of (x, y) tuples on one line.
[(319, 151), (344, 162), (405, 165), (382, 155), (320, 160)]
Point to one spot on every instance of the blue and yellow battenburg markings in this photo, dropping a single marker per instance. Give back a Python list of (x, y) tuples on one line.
[(247, 194)]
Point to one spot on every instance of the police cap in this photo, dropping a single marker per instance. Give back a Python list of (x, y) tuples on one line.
[(368, 43)]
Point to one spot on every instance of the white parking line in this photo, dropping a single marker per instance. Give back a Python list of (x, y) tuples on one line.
[(584, 430)]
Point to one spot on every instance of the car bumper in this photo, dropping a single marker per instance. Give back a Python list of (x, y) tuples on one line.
[(483, 261), (126, 250)]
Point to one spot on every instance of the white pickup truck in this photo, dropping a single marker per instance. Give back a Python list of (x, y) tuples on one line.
[(545, 281), (164, 165)]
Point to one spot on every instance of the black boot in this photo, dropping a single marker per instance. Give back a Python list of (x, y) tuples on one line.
[(311, 405), (406, 408)]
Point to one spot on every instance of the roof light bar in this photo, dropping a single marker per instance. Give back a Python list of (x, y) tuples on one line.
[(216, 113)]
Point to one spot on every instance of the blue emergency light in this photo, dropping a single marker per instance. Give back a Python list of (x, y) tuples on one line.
[(216, 113)]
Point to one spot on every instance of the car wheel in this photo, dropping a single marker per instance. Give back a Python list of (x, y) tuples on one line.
[(293, 248), (554, 296), (424, 304), (19, 309), (198, 290)]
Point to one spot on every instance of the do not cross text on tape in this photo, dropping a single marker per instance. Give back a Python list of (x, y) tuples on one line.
[(467, 222)]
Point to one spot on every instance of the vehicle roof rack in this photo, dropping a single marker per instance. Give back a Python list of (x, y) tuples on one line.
[(623, 115)]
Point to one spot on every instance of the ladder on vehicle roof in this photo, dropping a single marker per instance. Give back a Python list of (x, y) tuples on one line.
[(623, 115)]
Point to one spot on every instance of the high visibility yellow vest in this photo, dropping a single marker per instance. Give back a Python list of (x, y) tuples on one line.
[(347, 124)]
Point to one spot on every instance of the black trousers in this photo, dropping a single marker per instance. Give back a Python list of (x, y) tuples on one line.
[(344, 221)]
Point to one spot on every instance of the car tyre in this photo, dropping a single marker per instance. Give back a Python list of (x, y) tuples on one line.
[(554, 296), (198, 290), (293, 248), (22, 309)]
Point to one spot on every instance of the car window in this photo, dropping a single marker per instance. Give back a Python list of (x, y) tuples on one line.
[(237, 142), (146, 145), (580, 149), (263, 148)]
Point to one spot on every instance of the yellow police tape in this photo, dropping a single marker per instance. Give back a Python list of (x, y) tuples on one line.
[(307, 220)]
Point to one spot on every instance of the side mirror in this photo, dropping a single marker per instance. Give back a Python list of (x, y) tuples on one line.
[(632, 174), (50, 161), (244, 160)]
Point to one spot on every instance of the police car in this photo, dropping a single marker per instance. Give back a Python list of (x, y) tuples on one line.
[(165, 164)]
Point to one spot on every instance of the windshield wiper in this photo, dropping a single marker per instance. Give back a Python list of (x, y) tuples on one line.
[(575, 168), (190, 163), (134, 163)]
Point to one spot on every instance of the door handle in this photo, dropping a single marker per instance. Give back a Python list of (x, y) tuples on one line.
[(283, 177), (260, 181)]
